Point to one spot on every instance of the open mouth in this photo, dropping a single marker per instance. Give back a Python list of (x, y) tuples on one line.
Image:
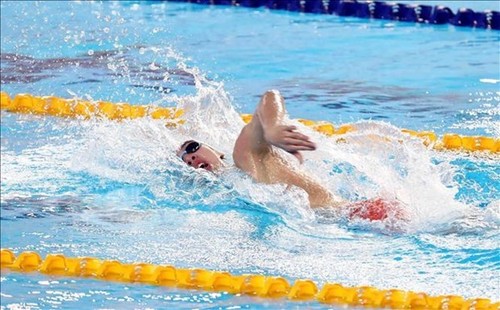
[(203, 166)]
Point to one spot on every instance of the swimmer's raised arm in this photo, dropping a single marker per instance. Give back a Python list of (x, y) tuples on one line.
[(269, 128), (253, 151)]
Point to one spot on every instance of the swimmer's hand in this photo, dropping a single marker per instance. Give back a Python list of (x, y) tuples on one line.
[(289, 139)]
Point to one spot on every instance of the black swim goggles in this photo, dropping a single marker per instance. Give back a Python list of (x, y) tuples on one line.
[(191, 148)]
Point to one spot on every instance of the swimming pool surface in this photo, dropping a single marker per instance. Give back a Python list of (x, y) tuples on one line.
[(115, 190)]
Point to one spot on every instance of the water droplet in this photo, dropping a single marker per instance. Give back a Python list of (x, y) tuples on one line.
[(90, 52), (106, 30), (153, 66)]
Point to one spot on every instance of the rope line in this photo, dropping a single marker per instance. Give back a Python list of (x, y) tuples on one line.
[(249, 284), (77, 108), (403, 12)]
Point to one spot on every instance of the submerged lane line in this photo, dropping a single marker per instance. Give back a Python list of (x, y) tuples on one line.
[(77, 108), (220, 281)]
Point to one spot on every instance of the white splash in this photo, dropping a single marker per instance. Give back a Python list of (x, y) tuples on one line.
[(377, 161)]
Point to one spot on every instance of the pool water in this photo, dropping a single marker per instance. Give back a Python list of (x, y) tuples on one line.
[(115, 190)]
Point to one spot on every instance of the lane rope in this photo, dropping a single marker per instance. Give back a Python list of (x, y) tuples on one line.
[(404, 12), (248, 284), (82, 109)]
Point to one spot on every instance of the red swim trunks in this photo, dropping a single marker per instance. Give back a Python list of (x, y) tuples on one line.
[(376, 209)]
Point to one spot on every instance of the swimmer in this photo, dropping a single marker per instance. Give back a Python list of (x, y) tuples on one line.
[(255, 153)]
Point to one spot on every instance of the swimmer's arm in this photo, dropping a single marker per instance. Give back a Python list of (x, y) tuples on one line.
[(269, 128)]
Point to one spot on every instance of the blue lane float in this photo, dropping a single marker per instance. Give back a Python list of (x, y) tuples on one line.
[(385, 10), (404, 12), (464, 17), (314, 6), (441, 15)]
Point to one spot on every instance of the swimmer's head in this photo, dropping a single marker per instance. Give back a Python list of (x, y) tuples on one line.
[(199, 155)]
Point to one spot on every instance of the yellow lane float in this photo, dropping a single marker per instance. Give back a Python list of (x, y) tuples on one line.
[(77, 108), (220, 281)]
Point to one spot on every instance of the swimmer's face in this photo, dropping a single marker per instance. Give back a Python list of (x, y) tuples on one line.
[(198, 155)]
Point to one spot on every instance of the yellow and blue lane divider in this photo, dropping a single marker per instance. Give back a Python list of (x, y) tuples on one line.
[(248, 284), (77, 108)]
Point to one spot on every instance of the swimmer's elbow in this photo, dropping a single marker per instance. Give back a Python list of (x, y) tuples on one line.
[(273, 93), (271, 97), (271, 107)]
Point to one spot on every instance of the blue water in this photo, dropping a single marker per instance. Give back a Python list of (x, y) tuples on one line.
[(115, 190)]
